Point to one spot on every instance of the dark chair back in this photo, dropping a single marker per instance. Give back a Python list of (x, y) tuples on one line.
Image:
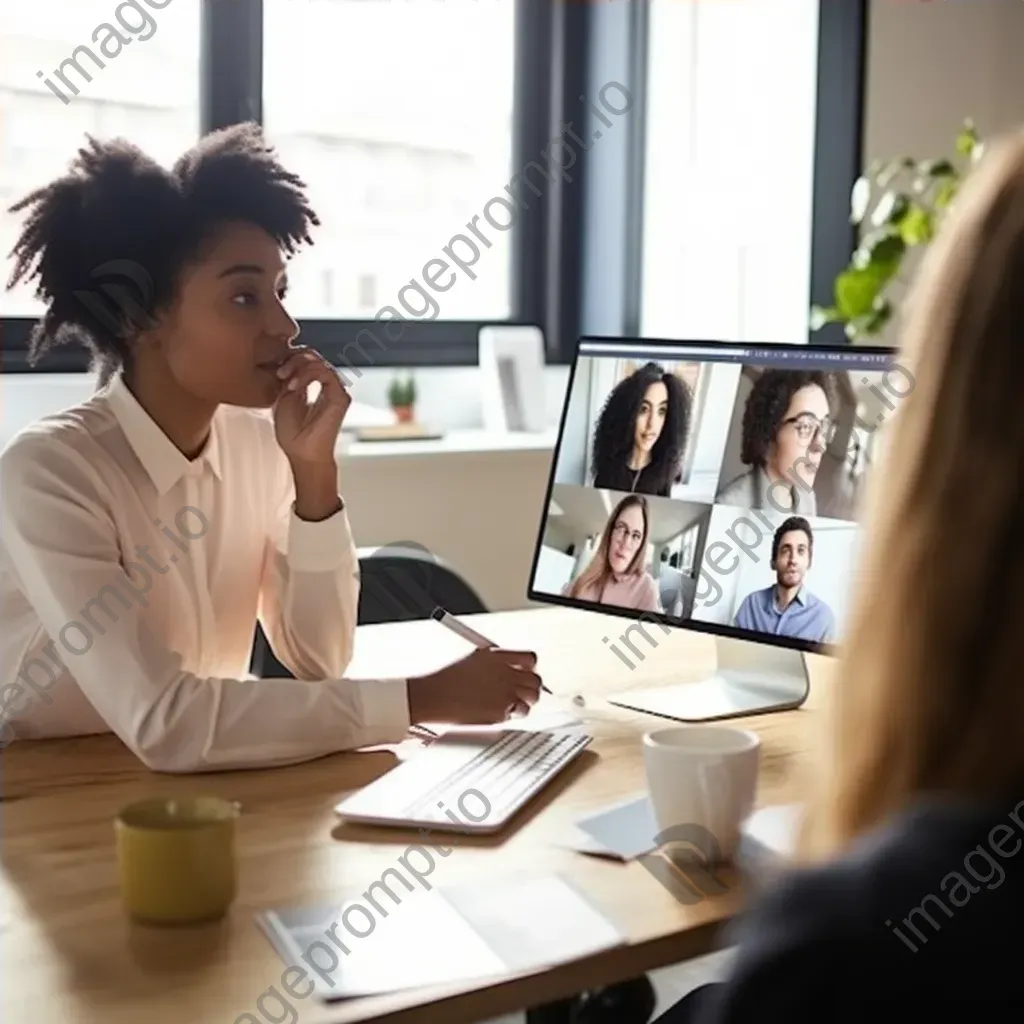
[(397, 583)]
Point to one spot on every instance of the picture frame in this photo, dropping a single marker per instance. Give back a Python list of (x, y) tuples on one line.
[(512, 378)]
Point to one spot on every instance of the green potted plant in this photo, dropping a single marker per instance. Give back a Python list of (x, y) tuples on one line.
[(402, 397), (898, 203)]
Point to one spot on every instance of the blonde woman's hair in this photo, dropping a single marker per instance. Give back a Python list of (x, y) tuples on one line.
[(599, 570), (930, 694)]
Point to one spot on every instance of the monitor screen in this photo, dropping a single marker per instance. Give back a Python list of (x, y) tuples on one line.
[(716, 486)]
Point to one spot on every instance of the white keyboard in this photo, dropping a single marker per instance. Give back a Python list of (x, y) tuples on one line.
[(465, 781)]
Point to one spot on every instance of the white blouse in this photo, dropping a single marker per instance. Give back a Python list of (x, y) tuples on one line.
[(131, 580)]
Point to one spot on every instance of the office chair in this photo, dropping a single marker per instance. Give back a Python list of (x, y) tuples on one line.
[(628, 1002), (400, 583), (397, 583)]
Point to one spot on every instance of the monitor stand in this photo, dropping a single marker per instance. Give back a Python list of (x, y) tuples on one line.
[(752, 678)]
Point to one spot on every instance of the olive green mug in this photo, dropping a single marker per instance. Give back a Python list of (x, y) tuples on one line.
[(176, 859)]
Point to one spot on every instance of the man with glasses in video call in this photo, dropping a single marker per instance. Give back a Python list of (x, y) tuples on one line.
[(788, 608), (787, 426)]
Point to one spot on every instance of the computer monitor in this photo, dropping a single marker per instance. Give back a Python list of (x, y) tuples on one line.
[(716, 487)]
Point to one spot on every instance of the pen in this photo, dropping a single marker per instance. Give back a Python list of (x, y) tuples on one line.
[(475, 638)]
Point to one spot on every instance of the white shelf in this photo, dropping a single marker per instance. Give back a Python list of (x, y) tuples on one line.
[(454, 442)]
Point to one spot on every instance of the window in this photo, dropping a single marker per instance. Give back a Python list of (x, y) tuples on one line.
[(408, 122), (729, 169), (148, 92), (328, 283), (689, 548), (399, 118), (367, 296)]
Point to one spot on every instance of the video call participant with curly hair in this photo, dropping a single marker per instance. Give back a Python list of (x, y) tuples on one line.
[(204, 406), (787, 426), (617, 574), (641, 433)]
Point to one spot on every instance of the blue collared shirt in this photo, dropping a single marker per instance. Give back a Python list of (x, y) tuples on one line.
[(806, 618)]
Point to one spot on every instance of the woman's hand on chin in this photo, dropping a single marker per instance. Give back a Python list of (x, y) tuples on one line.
[(307, 431)]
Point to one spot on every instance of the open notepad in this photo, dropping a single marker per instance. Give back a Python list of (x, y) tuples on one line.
[(438, 936), (627, 830)]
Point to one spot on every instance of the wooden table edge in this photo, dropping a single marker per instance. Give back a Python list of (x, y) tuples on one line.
[(482, 1002)]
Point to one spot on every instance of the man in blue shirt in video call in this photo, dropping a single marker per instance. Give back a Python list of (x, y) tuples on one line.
[(788, 608)]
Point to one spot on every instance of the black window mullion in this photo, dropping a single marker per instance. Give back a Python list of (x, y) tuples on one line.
[(638, 43), (357, 344), (231, 63), (531, 132), (571, 61), (838, 148)]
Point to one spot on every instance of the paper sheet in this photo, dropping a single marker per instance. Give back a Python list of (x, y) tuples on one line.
[(439, 936), (627, 830)]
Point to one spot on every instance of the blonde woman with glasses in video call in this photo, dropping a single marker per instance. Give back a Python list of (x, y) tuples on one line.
[(617, 573), (911, 892)]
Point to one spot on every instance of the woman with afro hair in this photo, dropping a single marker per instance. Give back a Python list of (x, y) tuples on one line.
[(641, 433), (145, 532)]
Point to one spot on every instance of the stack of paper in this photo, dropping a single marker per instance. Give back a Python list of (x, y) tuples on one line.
[(627, 830), (399, 935), (769, 840)]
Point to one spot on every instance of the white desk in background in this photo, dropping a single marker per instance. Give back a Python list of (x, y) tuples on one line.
[(454, 442), (474, 498)]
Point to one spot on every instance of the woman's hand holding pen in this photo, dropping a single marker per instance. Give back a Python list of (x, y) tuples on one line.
[(487, 686)]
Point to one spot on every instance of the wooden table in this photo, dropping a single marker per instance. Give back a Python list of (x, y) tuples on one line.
[(71, 957)]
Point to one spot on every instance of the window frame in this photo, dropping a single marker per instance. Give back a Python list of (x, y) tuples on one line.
[(231, 84), (608, 294), (563, 53)]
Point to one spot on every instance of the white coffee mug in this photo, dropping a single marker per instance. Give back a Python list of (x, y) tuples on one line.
[(702, 779)]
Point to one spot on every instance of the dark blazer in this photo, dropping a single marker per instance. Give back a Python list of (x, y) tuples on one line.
[(925, 916)]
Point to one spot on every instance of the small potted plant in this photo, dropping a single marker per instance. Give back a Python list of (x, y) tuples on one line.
[(402, 397)]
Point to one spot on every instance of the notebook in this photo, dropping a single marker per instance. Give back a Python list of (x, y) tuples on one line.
[(401, 935), (627, 830)]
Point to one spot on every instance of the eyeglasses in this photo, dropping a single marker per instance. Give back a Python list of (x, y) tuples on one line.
[(808, 426), (622, 530)]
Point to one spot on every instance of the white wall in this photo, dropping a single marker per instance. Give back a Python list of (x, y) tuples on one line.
[(929, 66), (554, 570), (24, 397), (711, 433), (479, 512), (574, 454)]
